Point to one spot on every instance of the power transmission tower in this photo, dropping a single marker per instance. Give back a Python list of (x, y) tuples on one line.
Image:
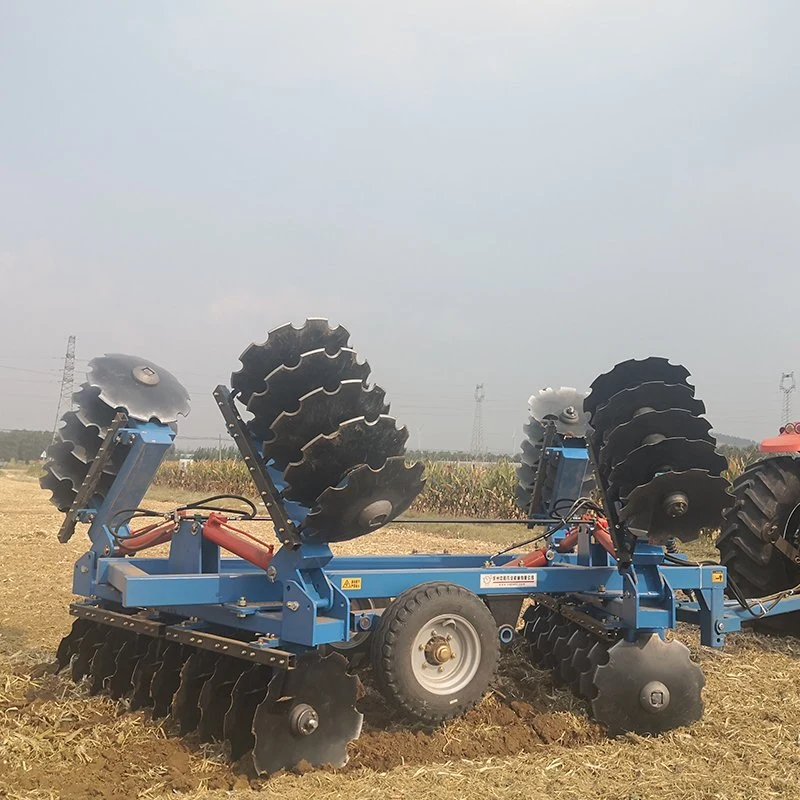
[(476, 447), (67, 384), (787, 386)]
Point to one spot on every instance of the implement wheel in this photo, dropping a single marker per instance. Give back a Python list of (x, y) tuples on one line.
[(767, 508), (435, 650)]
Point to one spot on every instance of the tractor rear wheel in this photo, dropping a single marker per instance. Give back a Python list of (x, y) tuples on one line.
[(767, 508)]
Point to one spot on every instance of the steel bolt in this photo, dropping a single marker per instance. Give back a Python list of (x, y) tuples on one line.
[(719, 627), (293, 605), (242, 601), (272, 574)]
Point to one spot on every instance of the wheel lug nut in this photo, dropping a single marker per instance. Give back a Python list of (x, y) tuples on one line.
[(441, 669)]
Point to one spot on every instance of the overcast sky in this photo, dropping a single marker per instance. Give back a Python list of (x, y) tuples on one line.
[(515, 193)]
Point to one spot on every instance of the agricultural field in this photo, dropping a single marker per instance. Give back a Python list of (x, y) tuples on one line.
[(528, 739)]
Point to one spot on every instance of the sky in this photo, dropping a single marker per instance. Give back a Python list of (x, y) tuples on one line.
[(519, 194)]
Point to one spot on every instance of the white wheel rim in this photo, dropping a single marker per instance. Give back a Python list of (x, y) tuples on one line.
[(446, 654)]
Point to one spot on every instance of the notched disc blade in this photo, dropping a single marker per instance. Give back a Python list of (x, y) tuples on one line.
[(68, 646), (166, 678), (631, 373), (105, 658), (89, 644), (75, 432), (140, 387), (368, 500), (142, 676), (284, 345), (526, 475), (672, 422), (649, 507), (248, 691), (644, 463), (215, 698), (531, 453), (533, 431), (120, 684), (309, 716), (65, 465), (624, 405), (597, 656), (562, 407), (286, 385), (522, 496), (63, 491), (649, 686), (91, 410), (321, 412), (327, 459), (196, 670)]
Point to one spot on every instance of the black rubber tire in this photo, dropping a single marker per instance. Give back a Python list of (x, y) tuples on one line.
[(766, 494), (393, 640)]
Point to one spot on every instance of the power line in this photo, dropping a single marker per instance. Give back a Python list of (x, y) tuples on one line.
[(67, 383)]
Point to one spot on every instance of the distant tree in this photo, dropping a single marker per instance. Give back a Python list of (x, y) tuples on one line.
[(23, 445)]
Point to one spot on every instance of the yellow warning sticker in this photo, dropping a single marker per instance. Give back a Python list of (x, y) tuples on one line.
[(350, 584), (717, 576)]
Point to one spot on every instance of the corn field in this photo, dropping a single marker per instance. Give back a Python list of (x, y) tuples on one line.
[(452, 489)]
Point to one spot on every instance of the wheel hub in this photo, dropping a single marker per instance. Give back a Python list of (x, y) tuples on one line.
[(438, 651), (446, 654)]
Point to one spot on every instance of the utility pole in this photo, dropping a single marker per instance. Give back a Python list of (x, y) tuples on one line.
[(476, 446), (787, 386), (67, 384), (219, 448)]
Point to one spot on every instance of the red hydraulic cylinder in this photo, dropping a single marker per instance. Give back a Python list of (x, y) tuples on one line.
[(236, 541)]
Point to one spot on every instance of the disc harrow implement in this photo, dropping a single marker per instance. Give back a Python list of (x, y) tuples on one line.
[(237, 640)]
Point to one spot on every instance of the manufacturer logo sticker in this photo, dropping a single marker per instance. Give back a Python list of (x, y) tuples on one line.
[(507, 580)]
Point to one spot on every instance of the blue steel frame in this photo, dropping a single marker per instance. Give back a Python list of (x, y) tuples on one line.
[(304, 598)]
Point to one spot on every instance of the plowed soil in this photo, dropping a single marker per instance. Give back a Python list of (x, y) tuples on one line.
[(528, 739)]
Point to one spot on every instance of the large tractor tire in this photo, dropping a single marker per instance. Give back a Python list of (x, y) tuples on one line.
[(767, 507)]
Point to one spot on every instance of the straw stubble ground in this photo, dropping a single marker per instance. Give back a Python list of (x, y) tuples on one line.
[(528, 739)]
